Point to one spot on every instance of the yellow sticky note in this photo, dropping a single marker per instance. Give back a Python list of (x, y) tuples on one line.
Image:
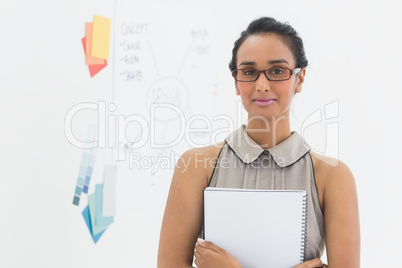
[(88, 43), (100, 37)]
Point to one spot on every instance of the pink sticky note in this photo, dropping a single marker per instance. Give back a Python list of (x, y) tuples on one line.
[(93, 69), (88, 40)]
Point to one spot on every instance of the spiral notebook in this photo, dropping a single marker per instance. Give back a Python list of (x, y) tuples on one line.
[(260, 228)]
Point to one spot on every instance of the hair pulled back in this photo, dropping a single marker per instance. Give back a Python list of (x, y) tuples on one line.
[(269, 25)]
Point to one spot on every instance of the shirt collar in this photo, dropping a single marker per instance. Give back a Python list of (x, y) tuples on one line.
[(284, 154)]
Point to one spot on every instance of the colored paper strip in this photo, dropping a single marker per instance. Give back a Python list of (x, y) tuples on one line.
[(100, 37), (96, 229), (109, 190), (91, 164), (87, 218), (99, 219), (88, 42), (85, 161), (76, 200), (93, 69)]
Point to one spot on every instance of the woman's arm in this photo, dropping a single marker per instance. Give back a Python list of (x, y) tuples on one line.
[(338, 199), (183, 213), (184, 208), (341, 217)]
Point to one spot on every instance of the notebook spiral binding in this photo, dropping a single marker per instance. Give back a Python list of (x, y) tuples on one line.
[(304, 231)]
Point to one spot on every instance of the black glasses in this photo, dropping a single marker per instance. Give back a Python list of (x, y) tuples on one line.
[(273, 74)]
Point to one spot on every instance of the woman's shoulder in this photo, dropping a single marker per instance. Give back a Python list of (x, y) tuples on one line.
[(207, 153), (339, 203), (329, 167), (332, 176), (199, 162)]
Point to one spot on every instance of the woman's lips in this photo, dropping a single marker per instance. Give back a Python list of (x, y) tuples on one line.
[(263, 102)]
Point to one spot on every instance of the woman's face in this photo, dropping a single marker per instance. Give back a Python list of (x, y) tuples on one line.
[(267, 98)]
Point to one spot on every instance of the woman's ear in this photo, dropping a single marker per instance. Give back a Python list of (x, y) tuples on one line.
[(237, 88), (300, 81)]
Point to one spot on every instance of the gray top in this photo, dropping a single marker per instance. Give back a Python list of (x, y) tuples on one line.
[(242, 163)]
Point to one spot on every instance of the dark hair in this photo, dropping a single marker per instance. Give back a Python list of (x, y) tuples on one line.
[(269, 25)]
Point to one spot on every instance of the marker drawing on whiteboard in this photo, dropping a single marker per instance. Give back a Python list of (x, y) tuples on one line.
[(153, 57), (169, 97), (131, 48), (202, 47), (185, 56), (154, 77), (128, 146), (132, 75)]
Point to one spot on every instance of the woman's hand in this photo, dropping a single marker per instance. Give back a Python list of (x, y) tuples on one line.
[(209, 255), (312, 264)]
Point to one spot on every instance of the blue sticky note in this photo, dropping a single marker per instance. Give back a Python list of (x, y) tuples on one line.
[(100, 219), (87, 219)]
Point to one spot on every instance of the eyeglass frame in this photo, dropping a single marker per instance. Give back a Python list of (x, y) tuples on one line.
[(292, 72)]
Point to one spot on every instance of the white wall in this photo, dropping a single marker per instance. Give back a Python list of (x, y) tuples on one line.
[(354, 54)]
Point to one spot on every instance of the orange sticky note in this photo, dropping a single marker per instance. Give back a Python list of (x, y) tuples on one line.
[(93, 69), (100, 37), (88, 38)]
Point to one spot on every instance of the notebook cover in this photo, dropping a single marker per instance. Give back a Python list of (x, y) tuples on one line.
[(260, 228)]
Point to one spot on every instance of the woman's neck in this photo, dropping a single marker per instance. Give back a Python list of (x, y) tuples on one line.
[(269, 132)]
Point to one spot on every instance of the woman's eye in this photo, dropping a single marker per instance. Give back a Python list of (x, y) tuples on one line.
[(277, 71), (249, 72)]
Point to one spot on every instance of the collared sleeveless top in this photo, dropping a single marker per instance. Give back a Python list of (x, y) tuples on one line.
[(242, 163)]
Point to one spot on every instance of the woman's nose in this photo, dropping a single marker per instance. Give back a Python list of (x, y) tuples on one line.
[(262, 83)]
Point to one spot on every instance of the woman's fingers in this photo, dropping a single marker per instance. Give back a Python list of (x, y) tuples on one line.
[(207, 254), (204, 248), (208, 245), (316, 262), (311, 264)]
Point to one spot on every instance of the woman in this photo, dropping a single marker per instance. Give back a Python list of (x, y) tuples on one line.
[(268, 65)]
